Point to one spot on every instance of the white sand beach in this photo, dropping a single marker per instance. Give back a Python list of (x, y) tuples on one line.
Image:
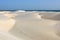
[(21, 25)]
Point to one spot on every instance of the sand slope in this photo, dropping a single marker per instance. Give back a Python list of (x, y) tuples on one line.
[(29, 26)]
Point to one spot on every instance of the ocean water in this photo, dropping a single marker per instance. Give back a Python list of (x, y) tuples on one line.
[(45, 10), (29, 24), (34, 10)]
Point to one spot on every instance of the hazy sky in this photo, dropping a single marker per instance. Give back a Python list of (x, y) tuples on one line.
[(30, 4)]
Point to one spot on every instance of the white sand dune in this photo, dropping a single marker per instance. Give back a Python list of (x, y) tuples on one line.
[(29, 26)]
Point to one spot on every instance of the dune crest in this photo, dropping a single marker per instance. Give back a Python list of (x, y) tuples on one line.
[(8, 23)]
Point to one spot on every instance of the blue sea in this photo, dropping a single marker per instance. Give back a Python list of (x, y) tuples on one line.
[(35, 10)]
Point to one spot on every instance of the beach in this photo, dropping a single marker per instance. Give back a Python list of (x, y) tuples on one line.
[(33, 25)]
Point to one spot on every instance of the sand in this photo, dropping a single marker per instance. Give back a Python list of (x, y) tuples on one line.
[(29, 25)]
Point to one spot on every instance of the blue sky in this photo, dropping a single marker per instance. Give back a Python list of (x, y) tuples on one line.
[(30, 4)]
